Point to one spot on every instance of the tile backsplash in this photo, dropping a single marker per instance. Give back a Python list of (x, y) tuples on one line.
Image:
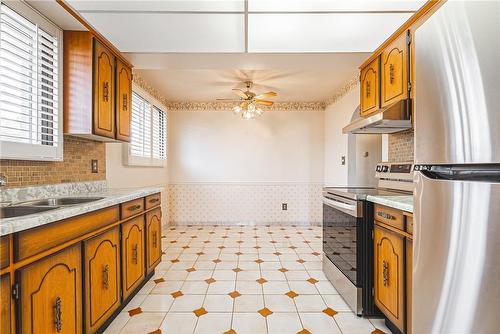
[(76, 166), (401, 146)]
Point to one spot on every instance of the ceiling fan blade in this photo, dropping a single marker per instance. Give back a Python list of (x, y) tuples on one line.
[(232, 100), (240, 93), (266, 95), (264, 102)]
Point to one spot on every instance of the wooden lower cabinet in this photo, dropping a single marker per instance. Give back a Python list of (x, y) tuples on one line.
[(153, 239), (409, 284), (102, 278), (132, 254), (389, 274), (51, 294), (5, 304)]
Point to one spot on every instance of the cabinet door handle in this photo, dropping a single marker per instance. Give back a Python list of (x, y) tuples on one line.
[(154, 200), (105, 277), (125, 102), (134, 207), (58, 314), (155, 239), (391, 73), (134, 254), (386, 215), (385, 272), (105, 91), (367, 89)]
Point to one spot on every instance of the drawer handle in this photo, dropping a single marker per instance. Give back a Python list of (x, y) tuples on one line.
[(386, 215), (105, 277), (134, 254), (367, 89), (155, 239), (134, 207), (125, 102), (154, 200), (391, 73), (385, 272), (105, 91), (58, 314)]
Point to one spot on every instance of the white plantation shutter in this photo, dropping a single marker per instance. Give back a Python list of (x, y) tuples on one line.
[(30, 113), (148, 143)]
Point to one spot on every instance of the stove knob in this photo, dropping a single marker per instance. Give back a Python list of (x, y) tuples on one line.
[(379, 168), (385, 169)]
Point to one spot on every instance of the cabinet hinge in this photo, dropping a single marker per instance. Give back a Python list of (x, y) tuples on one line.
[(408, 37), (120, 235), (373, 291), (409, 86), (15, 291)]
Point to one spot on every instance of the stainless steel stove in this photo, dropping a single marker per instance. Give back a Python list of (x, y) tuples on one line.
[(347, 233)]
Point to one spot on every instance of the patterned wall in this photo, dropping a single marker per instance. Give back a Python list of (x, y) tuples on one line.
[(75, 167), (257, 203), (401, 146)]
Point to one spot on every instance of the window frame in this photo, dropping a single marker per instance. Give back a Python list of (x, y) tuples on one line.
[(136, 161), (28, 151)]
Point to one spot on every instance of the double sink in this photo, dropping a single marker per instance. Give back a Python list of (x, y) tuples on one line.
[(42, 205)]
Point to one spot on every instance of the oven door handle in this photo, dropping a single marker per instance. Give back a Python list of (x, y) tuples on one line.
[(344, 207)]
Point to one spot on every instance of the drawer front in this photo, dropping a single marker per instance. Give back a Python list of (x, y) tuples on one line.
[(389, 216), (409, 224), (131, 208), (4, 252), (153, 200), (37, 240)]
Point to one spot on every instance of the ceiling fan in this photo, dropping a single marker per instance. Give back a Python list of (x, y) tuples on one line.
[(249, 102)]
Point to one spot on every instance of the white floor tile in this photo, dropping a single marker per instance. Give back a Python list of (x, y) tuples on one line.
[(303, 288), (249, 323), (143, 323), (337, 303), (276, 288), (349, 323), (279, 303), (248, 287), (157, 303), (310, 303), (194, 287), (283, 323), (213, 323), (319, 323), (221, 287), (187, 303), (248, 303)]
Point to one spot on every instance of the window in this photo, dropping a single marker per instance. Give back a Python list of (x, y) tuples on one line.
[(149, 126), (30, 85)]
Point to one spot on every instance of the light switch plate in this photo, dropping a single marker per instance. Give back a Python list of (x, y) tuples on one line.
[(95, 166), (284, 206)]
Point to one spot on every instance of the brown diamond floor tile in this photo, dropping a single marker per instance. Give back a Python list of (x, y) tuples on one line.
[(291, 294), (210, 280), (231, 331), (177, 294), (189, 270), (159, 280), (316, 253), (304, 331), (135, 311), (258, 261), (221, 247), (237, 270), (158, 331), (200, 253), (292, 247), (234, 294), (307, 242), (199, 312), (329, 311), (185, 247), (238, 253), (378, 331), (265, 312), (312, 280), (273, 242), (217, 261), (261, 280), (283, 270), (301, 261), (174, 260), (173, 242), (257, 247), (277, 253)]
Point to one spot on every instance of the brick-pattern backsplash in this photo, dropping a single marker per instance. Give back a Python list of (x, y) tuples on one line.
[(76, 166), (401, 146)]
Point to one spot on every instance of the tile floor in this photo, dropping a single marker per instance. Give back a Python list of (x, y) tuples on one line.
[(241, 279)]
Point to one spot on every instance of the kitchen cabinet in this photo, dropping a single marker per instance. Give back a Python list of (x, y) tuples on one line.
[(97, 90), (5, 304), (394, 71), (370, 88), (4, 252), (389, 274), (132, 254), (102, 278), (50, 294), (123, 101), (409, 283), (153, 239)]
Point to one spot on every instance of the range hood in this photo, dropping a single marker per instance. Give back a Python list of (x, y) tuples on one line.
[(394, 118)]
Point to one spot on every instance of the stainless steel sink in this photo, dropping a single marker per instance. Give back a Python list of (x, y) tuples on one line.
[(63, 201), (22, 210)]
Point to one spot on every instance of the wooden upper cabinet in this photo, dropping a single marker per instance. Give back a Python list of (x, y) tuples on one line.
[(153, 239), (96, 81), (132, 254), (51, 294), (5, 304), (370, 88), (102, 278), (389, 275), (394, 68), (104, 91), (123, 101)]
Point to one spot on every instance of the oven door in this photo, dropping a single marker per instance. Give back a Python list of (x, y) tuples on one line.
[(341, 220)]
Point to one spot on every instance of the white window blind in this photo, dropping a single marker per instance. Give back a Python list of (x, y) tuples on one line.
[(148, 128), (29, 87)]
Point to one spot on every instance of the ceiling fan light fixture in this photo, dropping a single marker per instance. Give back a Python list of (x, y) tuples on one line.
[(237, 110)]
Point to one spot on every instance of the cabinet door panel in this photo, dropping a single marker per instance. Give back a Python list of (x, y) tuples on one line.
[(394, 72), (369, 90), (409, 284), (5, 304), (102, 278), (123, 101), (51, 294), (389, 274), (132, 254), (104, 94), (153, 236)]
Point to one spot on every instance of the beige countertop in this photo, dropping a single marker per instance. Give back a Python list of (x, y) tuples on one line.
[(403, 202)]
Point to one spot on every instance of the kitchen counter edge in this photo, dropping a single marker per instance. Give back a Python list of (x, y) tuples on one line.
[(404, 203)]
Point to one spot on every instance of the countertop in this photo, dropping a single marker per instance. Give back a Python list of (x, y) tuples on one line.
[(400, 202), (111, 197)]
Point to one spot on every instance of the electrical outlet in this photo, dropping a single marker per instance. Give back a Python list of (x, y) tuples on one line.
[(342, 160), (95, 166), (284, 206)]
